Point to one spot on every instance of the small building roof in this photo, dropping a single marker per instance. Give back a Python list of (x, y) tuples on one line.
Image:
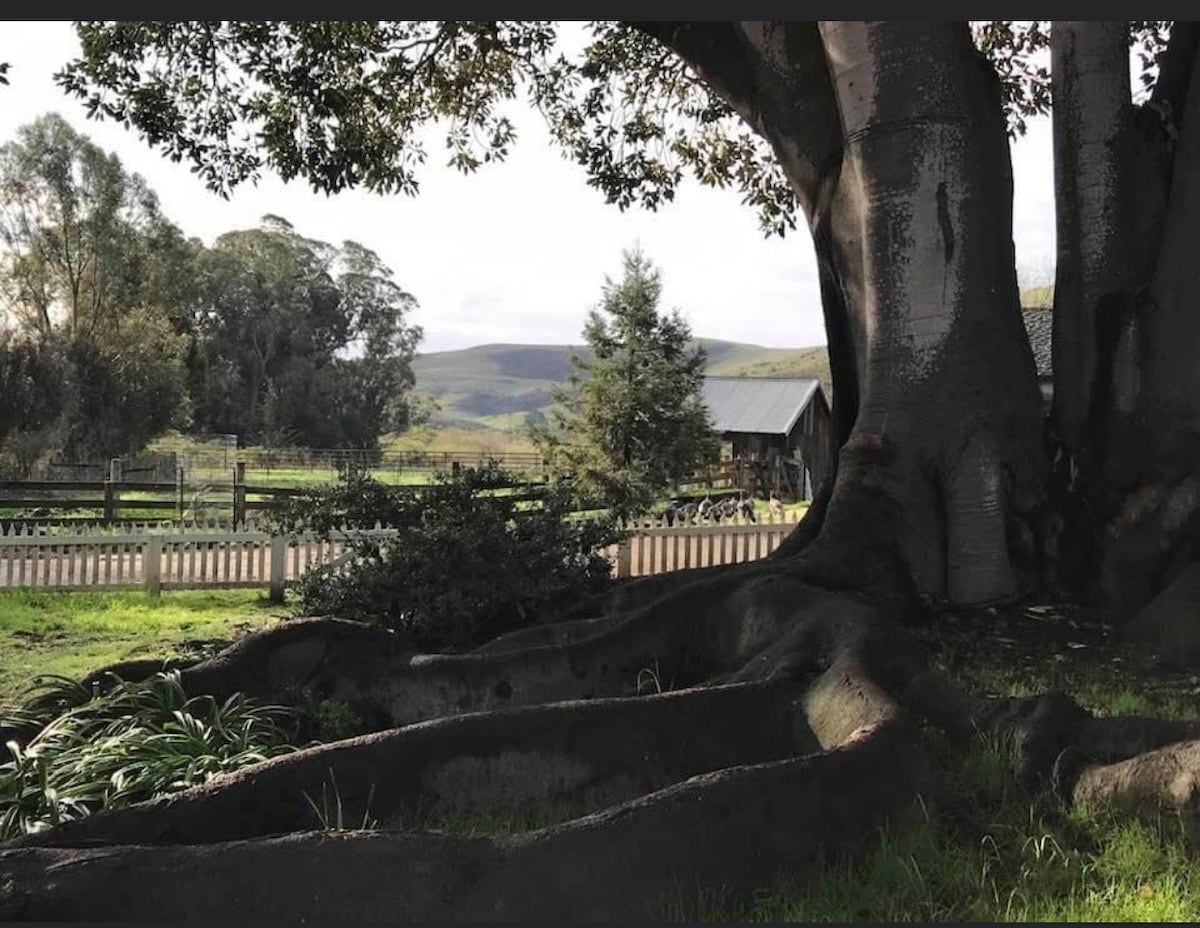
[(761, 405)]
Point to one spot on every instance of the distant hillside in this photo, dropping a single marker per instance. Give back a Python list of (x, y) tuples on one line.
[(498, 386), (1038, 297)]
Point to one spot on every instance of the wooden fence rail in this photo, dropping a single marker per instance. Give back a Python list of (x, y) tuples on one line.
[(235, 501)]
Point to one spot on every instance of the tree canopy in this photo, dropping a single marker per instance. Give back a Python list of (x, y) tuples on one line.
[(340, 103), (84, 241), (275, 319)]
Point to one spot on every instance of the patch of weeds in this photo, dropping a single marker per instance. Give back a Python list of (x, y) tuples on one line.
[(86, 750), (529, 817), (330, 812), (329, 719)]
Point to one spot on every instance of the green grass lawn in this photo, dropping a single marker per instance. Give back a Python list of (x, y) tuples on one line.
[(74, 633), (991, 853)]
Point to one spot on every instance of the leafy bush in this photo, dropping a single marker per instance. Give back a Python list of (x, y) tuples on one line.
[(470, 560), (137, 741)]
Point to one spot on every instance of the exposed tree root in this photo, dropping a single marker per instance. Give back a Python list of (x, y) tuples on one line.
[(734, 828), (706, 629), (792, 741), (1170, 625), (604, 610), (1153, 537), (586, 754), (1130, 761), (1166, 778), (280, 660)]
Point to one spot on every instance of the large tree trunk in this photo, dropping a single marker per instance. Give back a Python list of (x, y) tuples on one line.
[(945, 453), (1127, 388), (909, 199), (1095, 201)]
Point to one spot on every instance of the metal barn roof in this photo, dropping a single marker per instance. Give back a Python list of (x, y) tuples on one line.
[(766, 405)]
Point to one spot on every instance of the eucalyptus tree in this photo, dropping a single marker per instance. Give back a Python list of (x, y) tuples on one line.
[(298, 340), (93, 274), (793, 735), (84, 240)]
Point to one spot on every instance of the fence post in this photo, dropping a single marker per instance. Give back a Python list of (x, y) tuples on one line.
[(239, 494), (625, 558), (112, 496), (152, 564), (278, 567), (109, 503)]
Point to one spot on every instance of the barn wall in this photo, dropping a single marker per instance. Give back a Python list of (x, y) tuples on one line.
[(812, 436)]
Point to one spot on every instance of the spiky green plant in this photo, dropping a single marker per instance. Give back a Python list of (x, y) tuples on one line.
[(124, 743)]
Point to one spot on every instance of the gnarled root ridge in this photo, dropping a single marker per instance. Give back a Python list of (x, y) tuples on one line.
[(1131, 761), (723, 784), (584, 755), (729, 828)]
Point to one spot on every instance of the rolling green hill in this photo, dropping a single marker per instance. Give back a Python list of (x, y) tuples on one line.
[(498, 386), (490, 390)]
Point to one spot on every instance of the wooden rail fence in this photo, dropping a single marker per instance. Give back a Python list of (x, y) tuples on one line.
[(60, 501)]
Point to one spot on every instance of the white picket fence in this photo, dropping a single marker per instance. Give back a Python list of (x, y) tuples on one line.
[(657, 548), (176, 558), (178, 561)]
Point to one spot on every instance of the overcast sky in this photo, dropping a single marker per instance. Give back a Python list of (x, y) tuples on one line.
[(518, 252)]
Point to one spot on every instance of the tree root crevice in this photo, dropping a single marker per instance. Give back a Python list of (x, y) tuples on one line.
[(583, 755)]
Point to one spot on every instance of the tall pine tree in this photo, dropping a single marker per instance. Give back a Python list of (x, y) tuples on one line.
[(630, 422)]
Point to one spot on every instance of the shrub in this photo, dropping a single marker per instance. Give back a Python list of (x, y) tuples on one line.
[(470, 560)]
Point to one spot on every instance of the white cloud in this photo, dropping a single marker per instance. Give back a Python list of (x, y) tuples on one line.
[(518, 252)]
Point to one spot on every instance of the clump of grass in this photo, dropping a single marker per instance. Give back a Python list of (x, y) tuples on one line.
[(1107, 700), (330, 813), (327, 720), (91, 750)]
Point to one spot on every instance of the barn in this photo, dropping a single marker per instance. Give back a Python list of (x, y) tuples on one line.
[(779, 428)]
